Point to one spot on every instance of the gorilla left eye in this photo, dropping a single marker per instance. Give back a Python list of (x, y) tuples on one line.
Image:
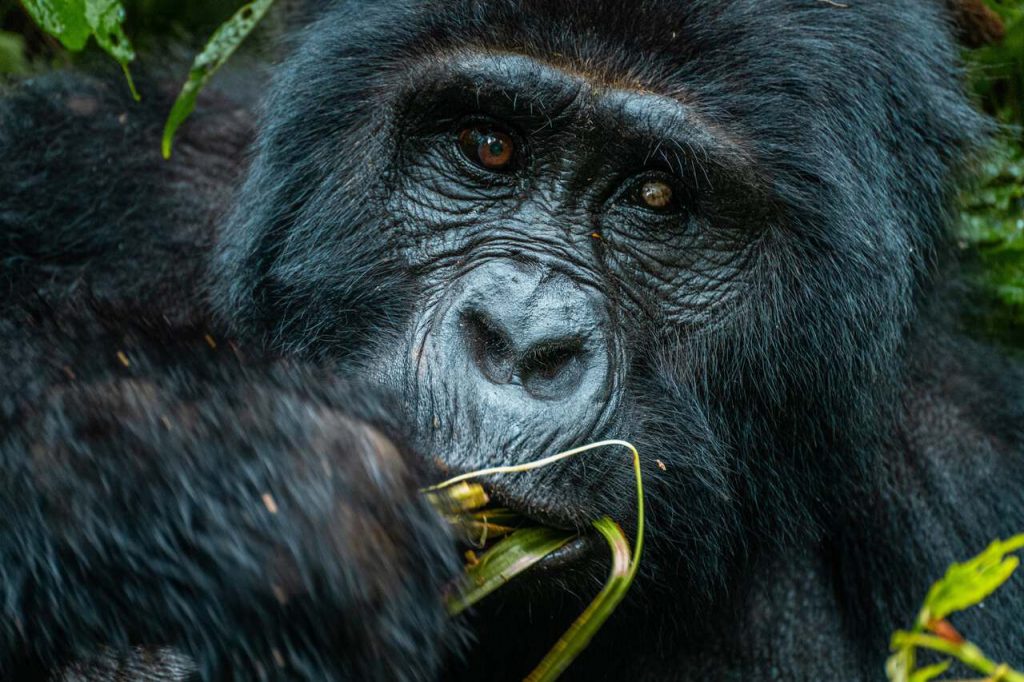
[(487, 147), (657, 195)]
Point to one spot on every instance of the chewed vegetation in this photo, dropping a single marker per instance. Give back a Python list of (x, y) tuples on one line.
[(511, 545)]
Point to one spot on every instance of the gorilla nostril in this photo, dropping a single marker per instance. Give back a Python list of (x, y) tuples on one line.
[(554, 369), (547, 361), (489, 346)]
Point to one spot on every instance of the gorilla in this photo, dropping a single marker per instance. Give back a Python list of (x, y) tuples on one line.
[(471, 233)]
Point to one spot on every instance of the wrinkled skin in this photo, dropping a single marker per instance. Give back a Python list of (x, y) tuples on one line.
[(452, 249)]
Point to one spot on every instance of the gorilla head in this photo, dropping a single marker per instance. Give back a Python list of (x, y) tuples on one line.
[(702, 226)]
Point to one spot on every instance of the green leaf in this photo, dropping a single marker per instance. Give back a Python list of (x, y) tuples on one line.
[(105, 18), (624, 568), (507, 559), (583, 629), (63, 19), (12, 53), (969, 583), (899, 665), (73, 21), (221, 46)]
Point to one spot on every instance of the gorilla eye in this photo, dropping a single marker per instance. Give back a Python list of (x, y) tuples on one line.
[(656, 192), (487, 147), (657, 195)]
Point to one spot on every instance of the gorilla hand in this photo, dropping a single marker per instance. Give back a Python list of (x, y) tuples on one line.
[(259, 525)]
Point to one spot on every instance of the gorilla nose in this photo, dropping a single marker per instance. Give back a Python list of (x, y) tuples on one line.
[(549, 367), (530, 329)]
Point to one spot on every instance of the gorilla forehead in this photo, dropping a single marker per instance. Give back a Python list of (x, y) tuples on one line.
[(709, 46)]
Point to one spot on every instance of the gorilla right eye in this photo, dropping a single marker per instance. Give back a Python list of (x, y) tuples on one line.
[(487, 147)]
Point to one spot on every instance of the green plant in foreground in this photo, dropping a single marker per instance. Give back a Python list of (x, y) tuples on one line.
[(963, 586), (73, 22), (221, 46), (527, 546)]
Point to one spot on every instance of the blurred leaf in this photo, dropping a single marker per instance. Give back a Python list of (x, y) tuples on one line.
[(963, 586), (1009, 10), (105, 18), (992, 233), (73, 21), (899, 665), (221, 46), (998, 70), (12, 53), (969, 583)]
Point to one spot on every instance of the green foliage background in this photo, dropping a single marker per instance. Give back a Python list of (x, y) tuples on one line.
[(993, 225), (992, 233)]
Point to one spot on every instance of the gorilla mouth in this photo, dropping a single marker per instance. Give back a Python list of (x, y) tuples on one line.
[(525, 536), (571, 548), (518, 534), (511, 508), (581, 546), (539, 512)]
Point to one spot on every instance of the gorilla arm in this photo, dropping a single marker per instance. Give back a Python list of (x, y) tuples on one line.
[(249, 520)]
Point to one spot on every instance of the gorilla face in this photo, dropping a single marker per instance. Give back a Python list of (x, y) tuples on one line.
[(552, 225), (543, 224)]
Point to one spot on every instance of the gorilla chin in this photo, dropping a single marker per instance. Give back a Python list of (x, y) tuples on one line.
[(474, 233)]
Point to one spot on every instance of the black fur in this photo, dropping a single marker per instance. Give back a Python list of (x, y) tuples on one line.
[(182, 339)]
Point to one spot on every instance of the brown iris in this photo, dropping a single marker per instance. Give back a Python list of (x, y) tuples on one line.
[(656, 194), (486, 147)]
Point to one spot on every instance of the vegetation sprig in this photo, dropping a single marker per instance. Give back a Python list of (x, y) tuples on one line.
[(523, 548), (963, 586)]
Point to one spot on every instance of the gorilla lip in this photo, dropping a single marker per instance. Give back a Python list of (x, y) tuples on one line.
[(546, 515), (573, 552)]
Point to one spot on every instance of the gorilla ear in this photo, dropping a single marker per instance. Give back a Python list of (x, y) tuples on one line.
[(977, 24)]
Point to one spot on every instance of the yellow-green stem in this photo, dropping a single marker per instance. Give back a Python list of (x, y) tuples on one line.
[(965, 652)]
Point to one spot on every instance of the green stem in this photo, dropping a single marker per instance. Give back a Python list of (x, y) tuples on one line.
[(624, 569), (965, 652)]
